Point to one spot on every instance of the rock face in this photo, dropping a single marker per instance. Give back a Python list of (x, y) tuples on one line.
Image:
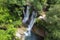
[(38, 31), (20, 33)]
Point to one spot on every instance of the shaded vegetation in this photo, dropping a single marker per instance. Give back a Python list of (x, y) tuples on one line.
[(11, 17)]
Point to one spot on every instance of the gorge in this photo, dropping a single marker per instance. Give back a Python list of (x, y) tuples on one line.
[(31, 19)]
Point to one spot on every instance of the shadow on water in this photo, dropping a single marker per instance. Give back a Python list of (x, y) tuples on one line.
[(33, 37)]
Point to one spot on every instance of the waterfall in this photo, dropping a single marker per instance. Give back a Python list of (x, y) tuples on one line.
[(32, 21), (26, 14)]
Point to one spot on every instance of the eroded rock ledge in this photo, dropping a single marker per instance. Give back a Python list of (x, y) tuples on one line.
[(39, 31)]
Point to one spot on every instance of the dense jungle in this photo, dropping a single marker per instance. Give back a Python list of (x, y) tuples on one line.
[(29, 19)]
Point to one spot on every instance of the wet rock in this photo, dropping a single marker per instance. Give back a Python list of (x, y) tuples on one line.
[(38, 31), (20, 33)]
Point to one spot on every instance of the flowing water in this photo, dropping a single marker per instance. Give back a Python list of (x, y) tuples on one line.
[(32, 21), (26, 14), (28, 34), (32, 37)]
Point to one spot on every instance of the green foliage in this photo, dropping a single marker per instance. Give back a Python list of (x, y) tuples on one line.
[(18, 2), (53, 18), (11, 11), (52, 23), (8, 34), (39, 4), (53, 1), (10, 17)]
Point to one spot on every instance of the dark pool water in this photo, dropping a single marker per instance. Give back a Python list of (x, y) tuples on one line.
[(33, 37)]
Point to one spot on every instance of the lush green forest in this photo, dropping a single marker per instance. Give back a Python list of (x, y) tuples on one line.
[(11, 17)]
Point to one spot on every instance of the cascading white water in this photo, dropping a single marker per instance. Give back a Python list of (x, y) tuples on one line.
[(26, 14), (28, 35), (32, 21)]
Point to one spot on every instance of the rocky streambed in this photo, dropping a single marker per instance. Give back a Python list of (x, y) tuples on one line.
[(36, 34)]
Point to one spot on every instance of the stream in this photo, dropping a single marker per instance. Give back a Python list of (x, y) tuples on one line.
[(33, 37), (32, 19)]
